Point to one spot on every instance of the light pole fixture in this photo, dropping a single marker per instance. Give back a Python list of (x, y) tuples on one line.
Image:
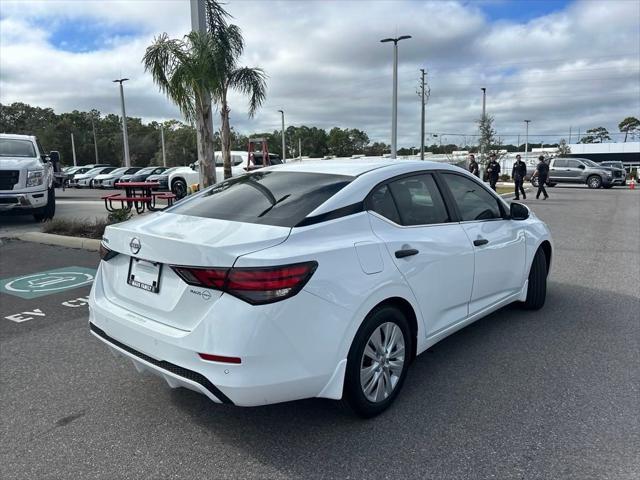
[(526, 139), (284, 155), (394, 113), (127, 161)]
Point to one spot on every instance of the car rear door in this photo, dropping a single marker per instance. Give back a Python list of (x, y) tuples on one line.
[(428, 246), (574, 170), (558, 170), (498, 242)]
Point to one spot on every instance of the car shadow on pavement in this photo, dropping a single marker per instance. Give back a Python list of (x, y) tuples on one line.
[(516, 390)]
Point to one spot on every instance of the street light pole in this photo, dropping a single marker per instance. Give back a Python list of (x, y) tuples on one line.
[(127, 161), (284, 154), (526, 139), (95, 140), (394, 112)]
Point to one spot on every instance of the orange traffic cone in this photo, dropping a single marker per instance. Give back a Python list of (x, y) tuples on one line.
[(632, 184)]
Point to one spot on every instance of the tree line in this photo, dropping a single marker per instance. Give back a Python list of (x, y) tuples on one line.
[(54, 132)]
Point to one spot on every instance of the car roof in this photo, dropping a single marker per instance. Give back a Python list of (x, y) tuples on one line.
[(15, 136), (355, 167)]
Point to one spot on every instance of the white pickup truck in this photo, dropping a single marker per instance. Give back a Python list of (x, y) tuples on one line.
[(26, 178)]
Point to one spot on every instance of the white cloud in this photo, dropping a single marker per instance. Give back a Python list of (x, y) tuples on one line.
[(577, 67)]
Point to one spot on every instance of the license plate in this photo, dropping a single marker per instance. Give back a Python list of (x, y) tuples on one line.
[(144, 274)]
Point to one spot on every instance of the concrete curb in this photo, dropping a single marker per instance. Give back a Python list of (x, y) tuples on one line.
[(59, 240)]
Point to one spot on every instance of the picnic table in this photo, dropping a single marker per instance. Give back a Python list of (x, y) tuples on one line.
[(138, 195)]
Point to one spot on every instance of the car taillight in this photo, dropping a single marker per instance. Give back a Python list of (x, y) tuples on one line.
[(106, 254), (257, 286), (203, 277)]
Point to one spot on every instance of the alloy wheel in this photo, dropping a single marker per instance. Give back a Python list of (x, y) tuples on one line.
[(382, 362)]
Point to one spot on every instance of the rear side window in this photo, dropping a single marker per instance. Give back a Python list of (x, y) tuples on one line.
[(418, 200), (558, 163), (410, 201), (270, 198), (474, 201), (10, 147)]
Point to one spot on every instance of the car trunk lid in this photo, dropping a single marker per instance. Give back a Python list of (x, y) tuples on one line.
[(167, 239)]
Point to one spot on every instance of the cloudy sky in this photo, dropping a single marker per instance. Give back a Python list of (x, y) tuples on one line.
[(561, 64)]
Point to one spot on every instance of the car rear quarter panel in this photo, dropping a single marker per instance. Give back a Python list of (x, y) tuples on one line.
[(340, 278)]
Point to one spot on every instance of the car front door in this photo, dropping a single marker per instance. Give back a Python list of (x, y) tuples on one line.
[(498, 242), (428, 246)]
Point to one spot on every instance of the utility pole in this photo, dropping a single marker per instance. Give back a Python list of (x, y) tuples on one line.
[(569, 133), (95, 141), (125, 137), (424, 97), (284, 152), (526, 140), (73, 151), (300, 148), (199, 24), (484, 118), (164, 157), (394, 111)]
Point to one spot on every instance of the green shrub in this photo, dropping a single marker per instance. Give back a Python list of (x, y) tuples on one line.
[(83, 227), (505, 178), (120, 215)]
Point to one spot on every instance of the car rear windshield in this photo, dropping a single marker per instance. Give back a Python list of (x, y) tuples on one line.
[(270, 198), (10, 147)]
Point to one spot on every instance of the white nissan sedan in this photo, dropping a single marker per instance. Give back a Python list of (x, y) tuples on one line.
[(320, 279)]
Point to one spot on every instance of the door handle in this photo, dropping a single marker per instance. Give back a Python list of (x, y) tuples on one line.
[(480, 241), (407, 252)]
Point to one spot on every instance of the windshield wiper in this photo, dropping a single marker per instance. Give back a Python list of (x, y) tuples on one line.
[(267, 210)]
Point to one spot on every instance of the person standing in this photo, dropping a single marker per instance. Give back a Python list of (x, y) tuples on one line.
[(518, 173), (493, 169), (542, 172), (473, 165)]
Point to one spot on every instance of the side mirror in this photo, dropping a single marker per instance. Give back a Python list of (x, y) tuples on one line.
[(581, 167), (518, 211)]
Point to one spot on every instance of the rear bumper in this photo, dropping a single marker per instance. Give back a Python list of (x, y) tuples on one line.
[(174, 375), (286, 355), (22, 202)]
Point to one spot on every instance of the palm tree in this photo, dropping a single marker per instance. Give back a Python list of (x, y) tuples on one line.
[(188, 71)]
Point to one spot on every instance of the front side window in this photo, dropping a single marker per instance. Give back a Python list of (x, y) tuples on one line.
[(11, 147), (474, 202), (270, 198)]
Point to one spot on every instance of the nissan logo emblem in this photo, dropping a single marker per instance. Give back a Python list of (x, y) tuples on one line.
[(135, 245)]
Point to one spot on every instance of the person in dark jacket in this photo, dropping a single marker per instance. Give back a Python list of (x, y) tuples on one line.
[(473, 165), (518, 173), (493, 169), (542, 172)]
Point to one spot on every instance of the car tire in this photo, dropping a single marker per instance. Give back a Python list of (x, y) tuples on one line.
[(537, 290), (594, 181), (534, 182), (179, 188), (49, 210), (372, 384)]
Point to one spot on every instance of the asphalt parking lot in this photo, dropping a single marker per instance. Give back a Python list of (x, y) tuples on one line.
[(71, 204), (549, 394)]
